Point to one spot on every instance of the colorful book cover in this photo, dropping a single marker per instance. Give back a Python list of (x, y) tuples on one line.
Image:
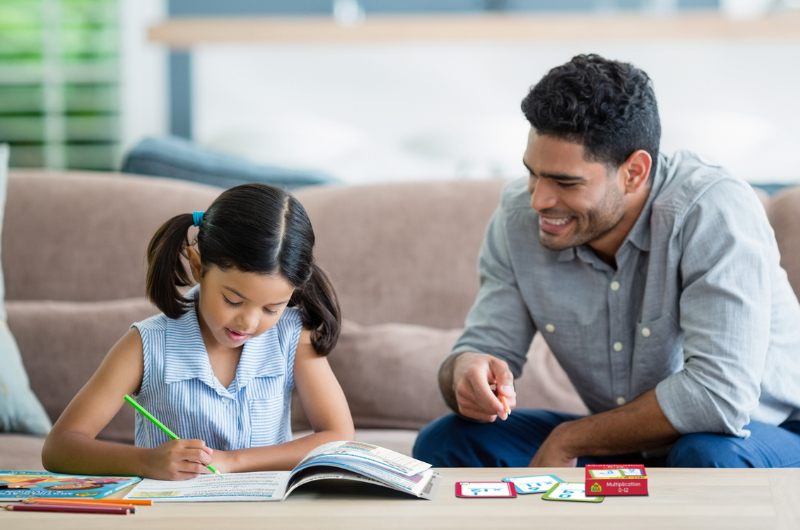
[(18, 485)]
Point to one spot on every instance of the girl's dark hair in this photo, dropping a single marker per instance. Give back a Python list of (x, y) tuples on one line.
[(607, 106), (252, 228)]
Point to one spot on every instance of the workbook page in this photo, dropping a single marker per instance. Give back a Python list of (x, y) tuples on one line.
[(258, 486), (368, 454)]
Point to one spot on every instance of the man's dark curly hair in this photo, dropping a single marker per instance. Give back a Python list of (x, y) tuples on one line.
[(607, 106)]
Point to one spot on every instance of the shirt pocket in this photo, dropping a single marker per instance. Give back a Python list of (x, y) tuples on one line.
[(266, 409), (571, 344), (657, 354)]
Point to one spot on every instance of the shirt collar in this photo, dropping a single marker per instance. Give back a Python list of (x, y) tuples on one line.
[(186, 356), (639, 236)]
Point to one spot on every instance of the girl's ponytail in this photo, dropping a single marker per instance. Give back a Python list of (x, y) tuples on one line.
[(165, 269), (319, 308)]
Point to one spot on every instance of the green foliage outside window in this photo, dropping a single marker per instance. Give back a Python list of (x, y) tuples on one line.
[(59, 83)]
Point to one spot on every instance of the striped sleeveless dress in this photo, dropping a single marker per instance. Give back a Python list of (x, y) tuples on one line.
[(180, 388)]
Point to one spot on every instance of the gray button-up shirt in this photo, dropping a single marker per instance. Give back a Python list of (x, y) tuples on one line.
[(698, 306)]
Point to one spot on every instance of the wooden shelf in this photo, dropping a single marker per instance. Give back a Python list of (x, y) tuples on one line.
[(189, 32)]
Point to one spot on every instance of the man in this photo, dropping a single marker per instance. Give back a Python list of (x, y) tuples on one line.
[(654, 280)]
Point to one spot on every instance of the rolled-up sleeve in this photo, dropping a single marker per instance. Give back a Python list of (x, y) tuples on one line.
[(498, 323), (724, 312)]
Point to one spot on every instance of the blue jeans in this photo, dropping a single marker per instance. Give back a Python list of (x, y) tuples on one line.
[(452, 441)]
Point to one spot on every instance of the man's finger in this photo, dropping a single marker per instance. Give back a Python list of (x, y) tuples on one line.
[(503, 378), (485, 399), (476, 414)]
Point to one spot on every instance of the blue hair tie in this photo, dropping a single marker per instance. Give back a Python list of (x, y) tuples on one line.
[(197, 217)]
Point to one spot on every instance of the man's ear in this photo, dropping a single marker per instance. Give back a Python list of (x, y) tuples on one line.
[(636, 170), (195, 264)]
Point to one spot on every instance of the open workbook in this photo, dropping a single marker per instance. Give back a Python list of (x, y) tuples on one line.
[(357, 461)]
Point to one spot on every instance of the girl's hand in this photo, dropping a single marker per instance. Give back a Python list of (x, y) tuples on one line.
[(177, 460)]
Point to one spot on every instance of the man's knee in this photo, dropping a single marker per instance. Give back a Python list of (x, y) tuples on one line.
[(708, 450), (445, 442), (430, 438)]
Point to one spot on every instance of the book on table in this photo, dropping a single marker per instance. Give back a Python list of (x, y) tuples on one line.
[(20, 485), (355, 461)]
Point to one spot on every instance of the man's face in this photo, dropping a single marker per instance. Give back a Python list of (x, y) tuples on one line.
[(577, 201)]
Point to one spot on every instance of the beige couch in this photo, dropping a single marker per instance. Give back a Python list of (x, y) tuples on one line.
[(402, 257)]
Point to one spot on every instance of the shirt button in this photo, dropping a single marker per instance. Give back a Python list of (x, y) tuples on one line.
[(617, 346), (615, 286), (621, 401), (645, 332), (550, 328), (224, 401)]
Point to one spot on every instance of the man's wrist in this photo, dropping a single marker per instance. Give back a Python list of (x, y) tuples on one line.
[(446, 381), (568, 437)]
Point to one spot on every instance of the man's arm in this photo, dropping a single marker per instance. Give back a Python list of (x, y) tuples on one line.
[(638, 426), (498, 323), (728, 259)]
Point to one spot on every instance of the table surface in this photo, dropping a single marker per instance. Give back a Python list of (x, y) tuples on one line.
[(679, 498)]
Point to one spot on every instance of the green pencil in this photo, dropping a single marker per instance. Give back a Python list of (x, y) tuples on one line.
[(160, 425)]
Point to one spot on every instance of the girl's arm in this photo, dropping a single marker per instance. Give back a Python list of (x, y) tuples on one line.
[(71, 446), (325, 405)]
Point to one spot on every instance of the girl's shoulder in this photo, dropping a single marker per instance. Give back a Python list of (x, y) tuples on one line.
[(154, 323)]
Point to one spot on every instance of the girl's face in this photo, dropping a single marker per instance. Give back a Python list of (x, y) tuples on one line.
[(236, 306)]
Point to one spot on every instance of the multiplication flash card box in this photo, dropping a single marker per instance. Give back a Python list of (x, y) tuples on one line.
[(612, 479)]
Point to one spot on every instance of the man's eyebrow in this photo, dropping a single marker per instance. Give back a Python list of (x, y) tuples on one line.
[(554, 176), (240, 295)]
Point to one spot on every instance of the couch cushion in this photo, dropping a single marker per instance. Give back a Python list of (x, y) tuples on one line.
[(63, 343), (403, 252), (179, 158), (20, 411), (389, 375), (784, 216), (83, 236)]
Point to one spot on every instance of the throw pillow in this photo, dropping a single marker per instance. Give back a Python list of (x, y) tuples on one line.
[(20, 410), (389, 375)]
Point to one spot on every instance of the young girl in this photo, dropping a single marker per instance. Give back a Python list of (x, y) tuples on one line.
[(217, 367)]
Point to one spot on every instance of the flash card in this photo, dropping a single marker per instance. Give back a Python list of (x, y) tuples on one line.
[(569, 491), (484, 489), (534, 484)]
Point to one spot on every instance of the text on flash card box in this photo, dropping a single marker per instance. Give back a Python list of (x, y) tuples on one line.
[(613, 479)]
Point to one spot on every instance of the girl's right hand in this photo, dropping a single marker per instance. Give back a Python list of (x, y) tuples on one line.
[(177, 460)]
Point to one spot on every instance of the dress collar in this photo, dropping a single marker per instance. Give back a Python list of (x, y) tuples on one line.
[(186, 356)]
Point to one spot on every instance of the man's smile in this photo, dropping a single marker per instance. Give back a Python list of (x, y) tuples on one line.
[(554, 225)]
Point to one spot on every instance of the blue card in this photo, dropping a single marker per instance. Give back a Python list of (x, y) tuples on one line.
[(533, 484)]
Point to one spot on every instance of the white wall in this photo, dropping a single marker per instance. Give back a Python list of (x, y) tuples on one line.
[(438, 111), (144, 75)]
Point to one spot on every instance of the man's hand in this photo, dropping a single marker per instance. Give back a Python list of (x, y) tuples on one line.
[(554, 451), (472, 373)]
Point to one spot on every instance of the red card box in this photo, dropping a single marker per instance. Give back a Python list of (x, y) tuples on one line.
[(613, 479)]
